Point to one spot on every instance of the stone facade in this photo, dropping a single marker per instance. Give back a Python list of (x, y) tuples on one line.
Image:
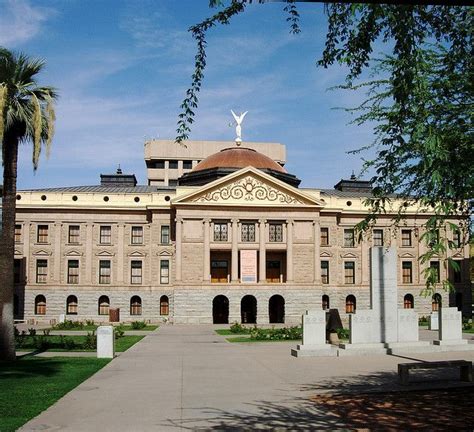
[(178, 249)]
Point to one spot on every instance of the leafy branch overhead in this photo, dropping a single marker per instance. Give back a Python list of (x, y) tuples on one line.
[(419, 103)]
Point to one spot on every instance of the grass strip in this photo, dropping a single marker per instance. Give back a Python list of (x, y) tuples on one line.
[(30, 385), (55, 343), (247, 339), (127, 327), (227, 332)]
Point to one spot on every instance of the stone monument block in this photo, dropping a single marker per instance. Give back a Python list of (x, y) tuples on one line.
[(364, 327), (105, 342), (62, 318), (450, 327), (434, 321), (314, 336), (407, 325)]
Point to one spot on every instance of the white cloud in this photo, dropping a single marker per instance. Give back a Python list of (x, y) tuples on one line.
[(20, 21)]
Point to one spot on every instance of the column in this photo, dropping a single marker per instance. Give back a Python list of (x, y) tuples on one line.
[(235, 251), (179, 239), (364, 260), (289, 251), (262, 252), (317, 252), (26, 252), (88, 255), (207, 252), (57, 253), (120, 252)]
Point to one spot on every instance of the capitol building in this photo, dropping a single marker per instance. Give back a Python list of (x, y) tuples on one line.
[(220, 233)]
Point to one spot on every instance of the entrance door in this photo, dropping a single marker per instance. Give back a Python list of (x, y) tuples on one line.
[(220, 310), (248, 310), (276, 309), (219, 271), (273, 271)]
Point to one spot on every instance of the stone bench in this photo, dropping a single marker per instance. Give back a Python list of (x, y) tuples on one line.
[(464, 365)]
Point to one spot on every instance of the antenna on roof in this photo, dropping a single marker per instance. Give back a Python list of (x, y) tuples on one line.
[(353, 176), (119, 170)]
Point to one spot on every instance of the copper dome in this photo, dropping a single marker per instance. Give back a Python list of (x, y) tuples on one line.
[(238, 157)]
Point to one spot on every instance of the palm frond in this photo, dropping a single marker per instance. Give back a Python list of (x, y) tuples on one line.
[(3, 98), (37, 127)]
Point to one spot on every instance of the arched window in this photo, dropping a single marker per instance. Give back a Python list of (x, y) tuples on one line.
[(40, 305), (248, 309), (104, 305), (135, 305), (71, 305), (408, 301), (325, 302), (164, 305), (436, 302), (350, 304)]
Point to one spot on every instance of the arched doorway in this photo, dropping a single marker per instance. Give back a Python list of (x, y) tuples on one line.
[(220, 310), (248, 309), (276, 309)]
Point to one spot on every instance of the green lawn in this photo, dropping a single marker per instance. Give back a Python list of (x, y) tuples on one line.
[(471, 330), (30, 385), (227, 332), (55, 343), (247, 339), (128, 327)]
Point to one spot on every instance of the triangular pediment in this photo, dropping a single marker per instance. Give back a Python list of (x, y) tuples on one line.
[(17, 252), (348, 255), (406, 255), (248, 187), (137, 254), (73, 253), (41, 252), (105, 254), (325, 254), (458, 255), (165, 253)]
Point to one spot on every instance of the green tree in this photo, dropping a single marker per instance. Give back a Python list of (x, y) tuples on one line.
[(26, 115), (420, 100)]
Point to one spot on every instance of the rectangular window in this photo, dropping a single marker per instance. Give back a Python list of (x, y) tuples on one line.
[(165, 234), (42, 234), (349, 239), (457, 240), (136, 272), (406, 238), (248, 232), (104, 271), (73, 272), (324, 236), (105, 234), (17, 271), (173, 164), (457, 272), (349, 272), (276, 233), (433, 238), (187, 164), (164, 271), (159, 164), (220, 231), (137, 235), (435, 265), (378, 237), (407, 272), (324, 272), (41, 270), (17, 233), (73, 234)]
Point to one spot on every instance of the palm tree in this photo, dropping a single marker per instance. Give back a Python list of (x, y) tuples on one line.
[(26, 114)]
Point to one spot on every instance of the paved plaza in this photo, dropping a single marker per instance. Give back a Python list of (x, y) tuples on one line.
[(185, 377)]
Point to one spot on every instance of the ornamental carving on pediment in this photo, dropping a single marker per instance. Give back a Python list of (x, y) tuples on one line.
[(248, 189)]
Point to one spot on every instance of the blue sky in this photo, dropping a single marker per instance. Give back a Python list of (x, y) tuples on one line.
[(122, 69)]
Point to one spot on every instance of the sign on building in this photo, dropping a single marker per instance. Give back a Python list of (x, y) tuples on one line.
[(248, 266)]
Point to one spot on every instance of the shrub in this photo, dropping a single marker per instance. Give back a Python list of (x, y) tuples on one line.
[(343, 333), (90, 323), (46, 332), (20, 338), (91, 341), (285, 333), (119, 332), (32, 332), (138, 325), (466, 324), (69, 325), (423, 320), (238, 328), (40, 343)]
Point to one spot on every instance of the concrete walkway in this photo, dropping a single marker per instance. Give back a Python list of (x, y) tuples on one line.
[(189, 378)]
